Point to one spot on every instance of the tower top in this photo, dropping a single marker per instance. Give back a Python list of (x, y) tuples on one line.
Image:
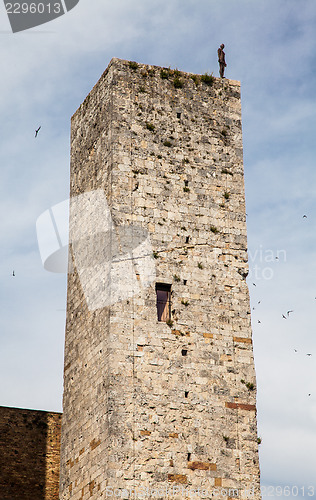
[(115, 61), (177, 78)]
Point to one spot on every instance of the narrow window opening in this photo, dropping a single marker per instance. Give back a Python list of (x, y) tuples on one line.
[(185, 282), (184, 352), (178, 115), (163, 296), (186, 183), (187, 239), (189, 457), (186, 394)]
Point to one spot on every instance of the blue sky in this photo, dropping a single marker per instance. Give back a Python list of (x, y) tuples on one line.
[(47, 72)]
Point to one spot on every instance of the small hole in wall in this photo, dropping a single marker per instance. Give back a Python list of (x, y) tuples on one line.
[(184, 352), (189, 457), (186, 393), (178, 115), (187, 239), (186, 183), (185, 282)]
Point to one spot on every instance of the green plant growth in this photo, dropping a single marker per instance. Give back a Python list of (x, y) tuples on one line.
[(155, 255), (200, 265), (208, 79), (133, 65), (226, 438), (226, 195), (178, 83), (259, 440), (164, 74), (185, 302), (214, 229), (186, 189), (250, 386), (150, 126), (196, 79), (168, 144), (169, 322), (176, 277)]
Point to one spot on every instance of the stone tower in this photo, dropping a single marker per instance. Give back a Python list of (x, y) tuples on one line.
[(159, 379)]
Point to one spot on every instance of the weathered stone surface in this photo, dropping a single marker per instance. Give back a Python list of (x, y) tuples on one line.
[(168, 157), (29, 454)]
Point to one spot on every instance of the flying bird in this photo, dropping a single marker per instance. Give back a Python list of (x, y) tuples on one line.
[(13, 273), (259, 321), (37, 131), (288, 313), (304, 216), (254, 284), (295, 350), (309, 354), (284, 316)]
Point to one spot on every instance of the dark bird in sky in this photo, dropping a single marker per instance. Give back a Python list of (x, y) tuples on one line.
[(309, 354), (295, 350), (259, 321), (304, 216), (309, 394), (277, 258), (37, 131), (288, 313), (259, 301), (284, 316), (13, 273), (254, 284)]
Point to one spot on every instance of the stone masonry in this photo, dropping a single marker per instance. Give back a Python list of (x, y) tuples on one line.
[(163, 405), (30, 454)]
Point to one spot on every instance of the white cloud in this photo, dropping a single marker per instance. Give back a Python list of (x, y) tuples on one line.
[(47, 72)]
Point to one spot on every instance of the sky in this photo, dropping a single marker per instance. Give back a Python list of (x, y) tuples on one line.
[(47, 71)]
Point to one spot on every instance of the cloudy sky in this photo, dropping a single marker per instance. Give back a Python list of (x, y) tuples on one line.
[(46, 72)]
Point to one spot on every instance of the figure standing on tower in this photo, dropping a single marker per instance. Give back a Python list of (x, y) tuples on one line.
[(221, 60)]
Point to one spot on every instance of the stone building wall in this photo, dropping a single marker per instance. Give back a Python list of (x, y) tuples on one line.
[(150, 404), (29, 454)]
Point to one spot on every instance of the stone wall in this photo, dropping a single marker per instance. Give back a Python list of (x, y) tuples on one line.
[(29, 454), (149, 404)]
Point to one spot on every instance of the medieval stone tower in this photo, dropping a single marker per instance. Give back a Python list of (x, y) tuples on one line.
[(159, 379)]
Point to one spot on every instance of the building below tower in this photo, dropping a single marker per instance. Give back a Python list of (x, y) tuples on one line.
[(29, 454)]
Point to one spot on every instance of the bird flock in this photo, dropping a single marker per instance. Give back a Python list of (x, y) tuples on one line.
[(285, 316)]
